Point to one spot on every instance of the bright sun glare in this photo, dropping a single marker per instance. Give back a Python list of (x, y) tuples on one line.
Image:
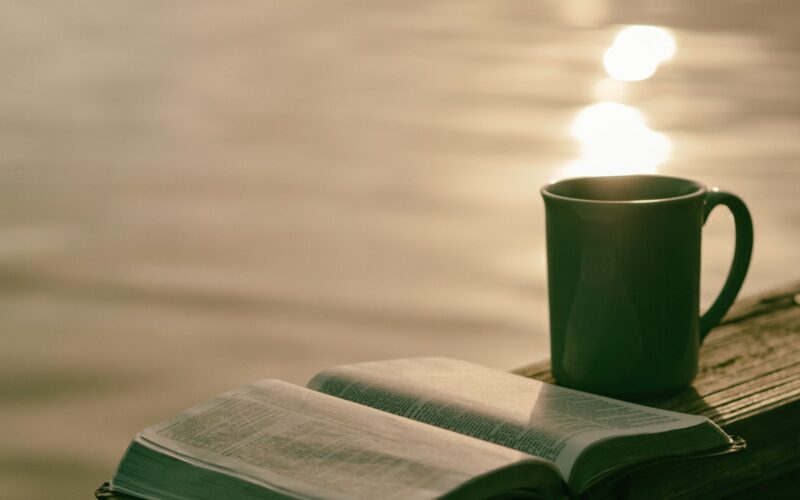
[(615, 138), (637, 52)]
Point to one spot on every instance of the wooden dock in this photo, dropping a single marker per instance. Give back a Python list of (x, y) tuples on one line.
[(748, 383)]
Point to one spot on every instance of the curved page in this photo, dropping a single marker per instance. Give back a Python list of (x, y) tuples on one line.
[(551, 422), (294, 440)]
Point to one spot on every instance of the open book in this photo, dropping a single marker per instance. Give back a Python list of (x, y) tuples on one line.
[(407, 428)]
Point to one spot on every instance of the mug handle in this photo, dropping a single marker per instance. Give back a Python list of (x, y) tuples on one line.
[(741, 256)]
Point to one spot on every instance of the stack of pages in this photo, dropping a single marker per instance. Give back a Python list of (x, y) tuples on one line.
[(408, 428)]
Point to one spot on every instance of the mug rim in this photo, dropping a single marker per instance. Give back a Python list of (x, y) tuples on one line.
[(700, 190)]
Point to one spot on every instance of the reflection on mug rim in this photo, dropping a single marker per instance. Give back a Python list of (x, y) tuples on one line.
[(700, 189)]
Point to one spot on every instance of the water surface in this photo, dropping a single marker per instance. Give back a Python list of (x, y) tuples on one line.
[(197, 195)]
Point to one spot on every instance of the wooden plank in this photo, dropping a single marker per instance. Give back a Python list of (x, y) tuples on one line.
[(771, 456), (757, 305)]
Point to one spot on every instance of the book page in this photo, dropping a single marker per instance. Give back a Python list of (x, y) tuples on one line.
[(302, 442), (545, 420)]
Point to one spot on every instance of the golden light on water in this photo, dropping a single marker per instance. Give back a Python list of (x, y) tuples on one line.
[(637, 52), (615, 140)]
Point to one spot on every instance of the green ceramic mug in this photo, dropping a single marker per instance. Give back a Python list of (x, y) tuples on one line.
[(623, 262)]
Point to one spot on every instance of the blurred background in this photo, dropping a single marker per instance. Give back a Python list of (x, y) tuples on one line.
[(200, 194)]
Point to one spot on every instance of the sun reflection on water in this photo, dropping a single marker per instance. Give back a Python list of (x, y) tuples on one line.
[(614, 137), (615, 140), (637, 52)]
